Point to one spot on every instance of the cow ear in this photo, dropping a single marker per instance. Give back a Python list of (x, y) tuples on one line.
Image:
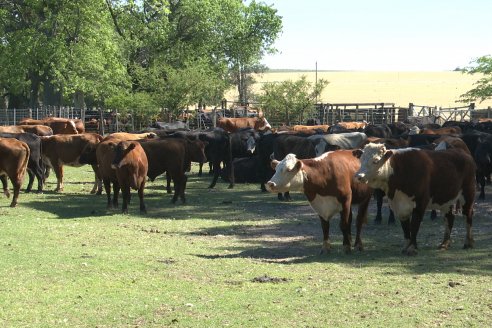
[(387, 155), (274, 164), (357, 153), (131, 146), (296, 167)]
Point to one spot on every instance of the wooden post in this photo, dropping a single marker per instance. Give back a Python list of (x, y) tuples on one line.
[(214, 118), (101, 122)]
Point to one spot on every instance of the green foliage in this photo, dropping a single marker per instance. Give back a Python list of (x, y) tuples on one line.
[(483, 87), (291, 100)]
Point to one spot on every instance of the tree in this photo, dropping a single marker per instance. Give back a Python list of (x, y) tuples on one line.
[(291, 100), (483, 87)]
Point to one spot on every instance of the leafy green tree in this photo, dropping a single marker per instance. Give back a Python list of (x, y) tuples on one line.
[(290, 101), (483, 87)]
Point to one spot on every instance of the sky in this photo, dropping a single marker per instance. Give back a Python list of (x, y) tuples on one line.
[(381, 35)]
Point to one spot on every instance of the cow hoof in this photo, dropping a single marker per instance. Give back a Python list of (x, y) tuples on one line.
[(377, 221), (13, 204), (169, 191), (359, 247), (445, 245), (468, 245), (6, 193), (347, 249), (143, 211), (411, 251), (324, 251)]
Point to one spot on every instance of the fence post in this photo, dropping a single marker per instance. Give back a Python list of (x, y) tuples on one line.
[(410, 109), (101, 122), (214, 118)]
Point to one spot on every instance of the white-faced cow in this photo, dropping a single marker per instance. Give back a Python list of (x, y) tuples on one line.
[(417, 179), (330, 186)]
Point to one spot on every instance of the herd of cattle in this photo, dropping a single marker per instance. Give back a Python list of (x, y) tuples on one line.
[(417, 168)]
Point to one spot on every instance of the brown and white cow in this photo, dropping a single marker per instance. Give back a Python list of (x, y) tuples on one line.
[(130, 165), (330, 186), (416, 179), (14, 156), (64, 149), (234, 124)]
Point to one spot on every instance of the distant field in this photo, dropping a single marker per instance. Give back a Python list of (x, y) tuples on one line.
[(440, 89)]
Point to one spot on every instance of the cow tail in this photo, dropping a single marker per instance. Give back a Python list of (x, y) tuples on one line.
[(229, 159), (26, 158)]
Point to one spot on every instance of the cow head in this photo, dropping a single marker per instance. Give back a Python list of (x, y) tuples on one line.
[(121, 150), (251, 144), (288, 175), (322, 147), (262, 124), (372, 162)]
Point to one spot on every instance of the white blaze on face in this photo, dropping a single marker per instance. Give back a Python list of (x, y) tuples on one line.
[(251, 144), (370, 162), (287, 177)]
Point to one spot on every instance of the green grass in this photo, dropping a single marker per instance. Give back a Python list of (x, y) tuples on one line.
[(66, 261)]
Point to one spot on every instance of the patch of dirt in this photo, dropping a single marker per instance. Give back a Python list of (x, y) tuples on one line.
[(265, 278)]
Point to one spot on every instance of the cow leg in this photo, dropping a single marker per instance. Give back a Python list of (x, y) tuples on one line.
[(116, 192), (107, 188), (216, 170), (391, 217), (345, 224), (280, 196), (143, 209), (482, 186), (262, 187), (183, 188), (97, 188), (433, 214), (177, 188), (200, 167), (360, 220), (125, 191), (378, 194), (31, 180), (448, 226), (168, 183), (287, 197), (325, 226), (16, 182), (468, 213), (5, 186), (417, 216), (405, 225), (39, 173), (59, 177)]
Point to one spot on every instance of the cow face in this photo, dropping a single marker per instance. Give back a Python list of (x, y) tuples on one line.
[(262, 124), (121, 150), (251, 144), (372, 162), (288, 175)]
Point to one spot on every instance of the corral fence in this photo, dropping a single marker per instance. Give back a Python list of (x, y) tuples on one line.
[(108, 121), (111, 120)]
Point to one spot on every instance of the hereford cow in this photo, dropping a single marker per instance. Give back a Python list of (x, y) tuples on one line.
[(63, 149), (417, 179), (234, 124), (14, 156), (330, 187), (130, 164)]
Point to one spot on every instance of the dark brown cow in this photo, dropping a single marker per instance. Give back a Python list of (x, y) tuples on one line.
[(302, 128), (130, 164), (330, 187), (234, 124), (14, 156), (416, 179), (59, 150), (174, 157)]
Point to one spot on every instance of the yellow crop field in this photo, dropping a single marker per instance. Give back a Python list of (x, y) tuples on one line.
[(440, 89)]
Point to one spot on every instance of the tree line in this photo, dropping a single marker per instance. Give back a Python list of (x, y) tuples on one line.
[(150, 57)]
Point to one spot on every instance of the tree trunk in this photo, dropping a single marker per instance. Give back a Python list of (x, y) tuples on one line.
[(34, 91), (52, 96), (79, 100)]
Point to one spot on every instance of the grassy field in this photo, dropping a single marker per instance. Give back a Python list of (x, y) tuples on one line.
[(440, 89), (236, 258)]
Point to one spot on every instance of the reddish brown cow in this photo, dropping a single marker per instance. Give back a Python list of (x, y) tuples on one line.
[(59, 150), (234, 124), (57, 124), (104, 152), (40, 130), (330, 187), (130, 165), (14, 156), (417, 179), (131, 136), (303, 128), (352, 125)]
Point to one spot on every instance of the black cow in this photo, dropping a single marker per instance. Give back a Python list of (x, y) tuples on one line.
[(35, 166), (378, 131), (246, 170), (243, 142), (483, 159)]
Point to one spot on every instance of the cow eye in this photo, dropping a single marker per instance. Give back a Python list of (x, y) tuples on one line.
[(375, 161)]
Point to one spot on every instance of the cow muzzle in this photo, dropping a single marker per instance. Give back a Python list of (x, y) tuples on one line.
[(361, 177), (270, 186)]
